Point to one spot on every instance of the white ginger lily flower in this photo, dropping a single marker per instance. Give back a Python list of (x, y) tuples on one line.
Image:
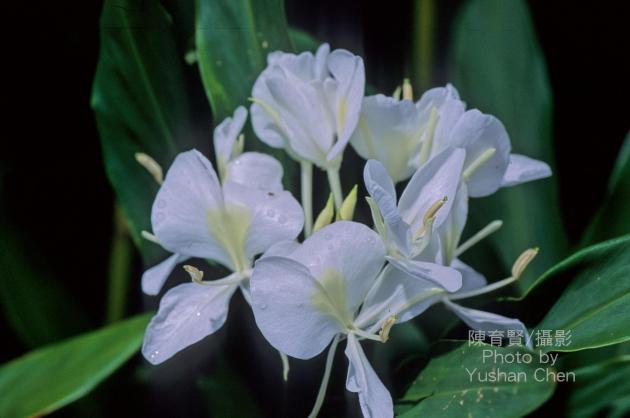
[(309, 104), (314, 295), (250, 169), (194, 215), (406, 227)]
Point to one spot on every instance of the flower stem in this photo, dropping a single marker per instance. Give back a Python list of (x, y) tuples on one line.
[(307, 195), (335, 186), (119, 268), (486, 289), (324, 385)]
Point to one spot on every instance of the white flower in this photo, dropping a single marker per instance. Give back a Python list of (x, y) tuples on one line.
[(424, 206), (309, 104), (194, 215), (311, 297)]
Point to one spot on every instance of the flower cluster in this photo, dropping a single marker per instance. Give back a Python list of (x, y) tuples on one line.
[(345, 281)]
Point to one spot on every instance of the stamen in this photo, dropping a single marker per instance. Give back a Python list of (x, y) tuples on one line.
[(491, 228), (149, 237), (407, 90), (386, 328), (478, 162), (396, 93), (285, 366), (377, 218), (196, 275), (151, 166), (367, 335), (324, 385), (429, 217), (523, 261)]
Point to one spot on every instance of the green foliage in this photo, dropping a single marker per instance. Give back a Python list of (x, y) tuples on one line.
[(46, 379), (595, 306), (227, 395), (444, 387), (140, 104), (498, 67)]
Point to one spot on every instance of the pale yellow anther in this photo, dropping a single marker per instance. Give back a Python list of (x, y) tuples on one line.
[(407, 90), (396, 93), (386, 328), (196, 275), (149, 237), (432, 211), (523, 261), (325, 217), (346, 212), (150, 165)]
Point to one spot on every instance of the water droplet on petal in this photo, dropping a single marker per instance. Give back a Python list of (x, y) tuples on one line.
[(154, 354), (271, 213), (198, 313), (370, 240), (263, 306), (327, 236), (161, 203), (282, 219)]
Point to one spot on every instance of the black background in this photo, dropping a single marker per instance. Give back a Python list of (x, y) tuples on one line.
[(54, 191)]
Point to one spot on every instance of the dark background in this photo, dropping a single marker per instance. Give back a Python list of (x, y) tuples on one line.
[(54, 193)]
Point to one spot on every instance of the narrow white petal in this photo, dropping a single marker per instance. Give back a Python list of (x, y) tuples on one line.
[(375, 399), (522, 169), (282, 291), (257, 170), (471, 279), (154, 278), (226, 133), (447, 277), (187, 314), (180, 211)]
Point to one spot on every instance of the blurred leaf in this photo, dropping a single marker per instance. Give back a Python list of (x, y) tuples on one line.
[(445, 389), (49, 378), (598, 386), (595, 306), (303, 41), (37, 306), (140, 104), (227, 395), (498, 67), (233, 38), (613, 217)]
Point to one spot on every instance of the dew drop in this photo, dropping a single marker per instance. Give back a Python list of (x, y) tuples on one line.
[(282, 219), (271, 213), (328, 236), (154, 354), (263, 306), (371, 240), (161, 204), (198, 313)]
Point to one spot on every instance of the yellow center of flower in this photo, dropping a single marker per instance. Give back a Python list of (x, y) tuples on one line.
[(229, 226)]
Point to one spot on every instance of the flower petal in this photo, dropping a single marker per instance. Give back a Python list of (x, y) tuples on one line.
[(275, 216), (435, 180), (476, 133), (154, 278), (226, 133), (380, 186), (388, 131), (187, 313), (257, 170), (522, 169), (375, 399), (180, 210), (282, 290), (471, 279), (447, 277), (487, 321), (350, 249)]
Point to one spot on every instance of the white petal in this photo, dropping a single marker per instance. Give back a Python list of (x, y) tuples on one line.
[(180, 211), (447, 277), (486, 321), (349, 72), (282, 290), (380, 186), (397, 293), (154, 278), (282, 249), (450, 232), (388, 131), (522, 169), (257, 170), (187, 314), (476, 133), (226, 133), (375, 399), (350, 249), (450, 111), (471, 279), (436, 98), (274, 216), (435, 180)]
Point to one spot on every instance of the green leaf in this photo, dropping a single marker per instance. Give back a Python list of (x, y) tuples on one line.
[(612, 219), (233, 38), (140, 104), (49, 378), (595, 306), (37, 306), (445, 387), (498, 67)]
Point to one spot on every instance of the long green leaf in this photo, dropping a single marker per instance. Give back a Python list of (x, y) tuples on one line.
[(446, 389), (612, 219), (595, 307), (498, 67), (51, 377), (140, 104)]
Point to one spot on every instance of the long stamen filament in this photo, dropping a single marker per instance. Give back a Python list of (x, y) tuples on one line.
[(307, 196), (149, 237), (491, 228), (478, 162), (196, 276), (324, 385), (367, 335), (285, 366)]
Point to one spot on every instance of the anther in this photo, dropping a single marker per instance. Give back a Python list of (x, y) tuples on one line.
[(196, 275), (150, 165), (523, 261), (386, 328)]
